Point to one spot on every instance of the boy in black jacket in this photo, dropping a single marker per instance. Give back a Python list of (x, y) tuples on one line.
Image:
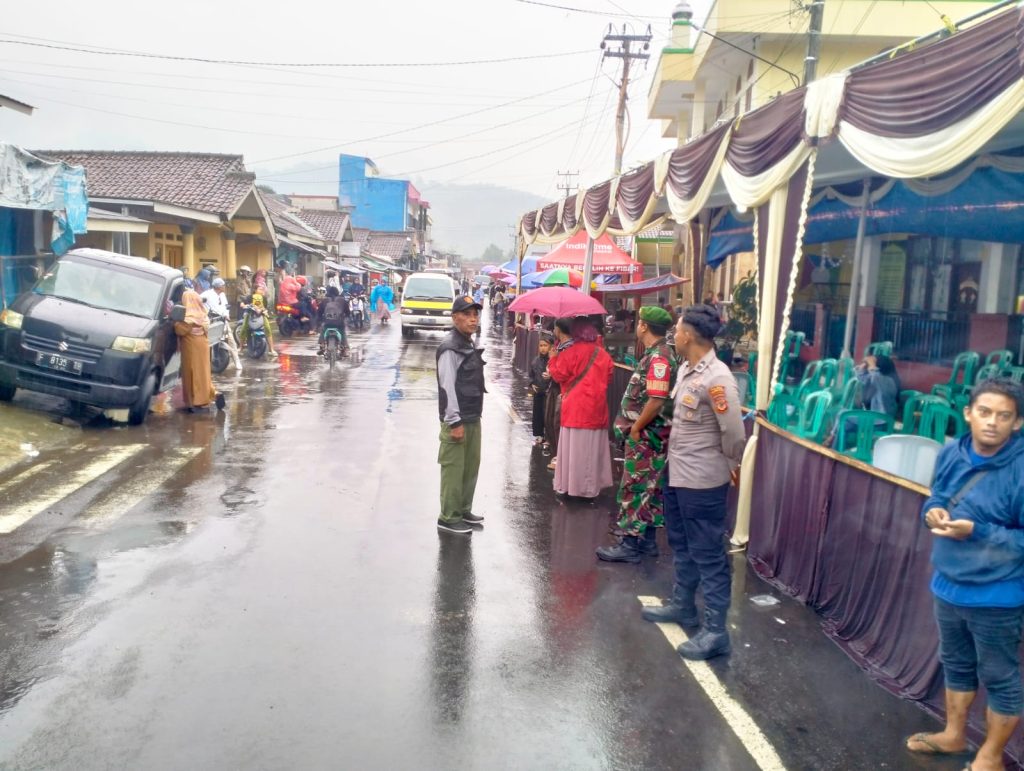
[(539, 380)]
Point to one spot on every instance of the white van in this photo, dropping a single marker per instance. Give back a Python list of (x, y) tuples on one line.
[(427, 302)]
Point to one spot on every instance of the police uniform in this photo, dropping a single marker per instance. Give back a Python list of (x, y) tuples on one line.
[(460, 394), (643, 468), (704, 448)]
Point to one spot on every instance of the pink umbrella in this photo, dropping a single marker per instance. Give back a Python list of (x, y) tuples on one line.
[(557, 301)]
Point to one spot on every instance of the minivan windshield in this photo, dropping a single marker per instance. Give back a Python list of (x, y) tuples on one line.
[(429, 288), (94, 284)]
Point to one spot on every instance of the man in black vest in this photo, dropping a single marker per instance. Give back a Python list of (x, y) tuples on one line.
[(460, 397)]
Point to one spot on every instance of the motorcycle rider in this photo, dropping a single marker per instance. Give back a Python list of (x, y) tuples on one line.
[(257, 307), (288, 292), (357, 310), (305, 298), (332, 316), (216, 302)]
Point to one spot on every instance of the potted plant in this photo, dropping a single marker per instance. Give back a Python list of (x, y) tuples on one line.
[(742, 323)]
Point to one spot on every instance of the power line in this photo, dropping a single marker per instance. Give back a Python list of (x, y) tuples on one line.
[(204, 60), (421, 126), (583, 10)]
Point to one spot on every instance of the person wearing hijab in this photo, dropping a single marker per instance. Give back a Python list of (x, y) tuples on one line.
[(259, 306), (583, 371), (194, 345)]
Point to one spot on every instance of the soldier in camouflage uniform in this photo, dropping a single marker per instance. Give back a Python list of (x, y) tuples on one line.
[(644, 422)]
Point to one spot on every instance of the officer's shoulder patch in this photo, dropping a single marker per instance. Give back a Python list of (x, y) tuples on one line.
[(660, 369), (717, 394)]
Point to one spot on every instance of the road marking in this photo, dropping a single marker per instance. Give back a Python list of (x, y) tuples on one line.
[(13, 520), (115, 506), (26, 474), (746, 730)]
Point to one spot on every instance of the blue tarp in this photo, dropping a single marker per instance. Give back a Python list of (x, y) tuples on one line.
[(987, 206), (529, 265)]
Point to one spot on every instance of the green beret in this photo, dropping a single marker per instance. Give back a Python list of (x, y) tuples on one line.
[(652, 314)]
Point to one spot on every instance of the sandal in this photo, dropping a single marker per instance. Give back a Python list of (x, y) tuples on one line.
[(932, 747)]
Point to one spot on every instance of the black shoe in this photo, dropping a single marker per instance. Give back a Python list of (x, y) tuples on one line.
[(473, 519), (624, 551), (220, 402), (458, 528), (706, 644), (648, 546), (672, 613)]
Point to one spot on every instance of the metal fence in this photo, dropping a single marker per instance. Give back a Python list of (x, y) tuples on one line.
[(802, 319), (923, 336)]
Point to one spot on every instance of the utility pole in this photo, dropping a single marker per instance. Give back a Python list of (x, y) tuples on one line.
[(624, 52), (568, 186), (813, 41)]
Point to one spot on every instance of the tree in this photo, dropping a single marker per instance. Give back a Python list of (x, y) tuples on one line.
[(493, 255)]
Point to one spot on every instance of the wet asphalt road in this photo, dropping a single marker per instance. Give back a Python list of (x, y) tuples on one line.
[(265, 589)]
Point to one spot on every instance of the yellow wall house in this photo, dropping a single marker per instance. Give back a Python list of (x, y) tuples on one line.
[(201, 208), (748, 51)]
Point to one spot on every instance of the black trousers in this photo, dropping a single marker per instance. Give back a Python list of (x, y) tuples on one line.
[(538, 414), (695, 526)]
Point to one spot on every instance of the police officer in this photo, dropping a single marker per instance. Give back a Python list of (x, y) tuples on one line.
[(643, 423), (704, 449), (460, 396)]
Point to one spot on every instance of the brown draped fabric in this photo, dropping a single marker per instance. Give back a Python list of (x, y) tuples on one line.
[(529, 223), (595, 204), (569, 213), (765, 136), (196, 380), (691, 163), (635, 191), (932, 88), (797, 183), (548, 219)]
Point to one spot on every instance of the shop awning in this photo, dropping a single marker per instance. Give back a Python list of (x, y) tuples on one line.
[(650, 286), (302, 247)]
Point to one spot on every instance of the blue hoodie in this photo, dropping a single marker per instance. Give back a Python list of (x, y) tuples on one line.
[(986, 569)]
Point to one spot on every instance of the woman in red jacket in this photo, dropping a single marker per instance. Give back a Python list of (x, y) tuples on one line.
[(583, 370)]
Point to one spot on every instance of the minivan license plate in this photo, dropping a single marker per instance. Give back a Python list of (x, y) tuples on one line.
[(58, 362)]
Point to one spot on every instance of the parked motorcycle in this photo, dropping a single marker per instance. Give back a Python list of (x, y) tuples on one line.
[(357, 313), (220, 353), (256, 343), (290, 321)]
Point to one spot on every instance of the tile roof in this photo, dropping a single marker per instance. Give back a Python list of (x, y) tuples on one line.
[(330, 222), (286, 219), (360, 235), (209, 182), (392, 245)]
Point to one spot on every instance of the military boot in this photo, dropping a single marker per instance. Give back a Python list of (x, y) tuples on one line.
[(679, 610), (626, 550), (647, 543), (712, 640)]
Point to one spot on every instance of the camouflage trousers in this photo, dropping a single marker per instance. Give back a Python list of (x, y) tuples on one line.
[(643, 471)]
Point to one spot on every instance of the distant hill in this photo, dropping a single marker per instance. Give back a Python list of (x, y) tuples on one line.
[(466, 217), (469, 217)]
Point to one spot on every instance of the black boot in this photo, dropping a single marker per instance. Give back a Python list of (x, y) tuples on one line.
[(647, 543), (678, 610), (712, 640), (627, 550)]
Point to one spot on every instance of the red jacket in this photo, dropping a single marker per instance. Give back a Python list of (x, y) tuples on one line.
[(586, 404), (288, 294)]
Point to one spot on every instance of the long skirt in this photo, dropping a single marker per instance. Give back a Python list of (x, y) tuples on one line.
[(382, 310), (196, 380), (584, 464)]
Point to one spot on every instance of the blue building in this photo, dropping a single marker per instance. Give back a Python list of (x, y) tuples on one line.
[(392, 205)]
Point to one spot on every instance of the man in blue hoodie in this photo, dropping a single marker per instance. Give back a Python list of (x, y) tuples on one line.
[(976, 512)]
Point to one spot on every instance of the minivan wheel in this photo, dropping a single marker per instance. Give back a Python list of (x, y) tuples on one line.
[(137, 412), (7, 392)]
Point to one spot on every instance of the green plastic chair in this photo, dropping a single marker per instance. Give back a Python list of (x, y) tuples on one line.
[(813, 421), (848, 395), (864, 428), (936, 420), (1003, 358), (844, 372), (914, 408), (1014, 373), (629, 361), (964, 367), (883, 348), (791, 353), (987, 372), (784, 411)]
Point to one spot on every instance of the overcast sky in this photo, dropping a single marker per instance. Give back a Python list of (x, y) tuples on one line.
[(523, 120)]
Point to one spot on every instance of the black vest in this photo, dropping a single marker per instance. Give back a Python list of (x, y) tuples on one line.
[(469, 380)]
